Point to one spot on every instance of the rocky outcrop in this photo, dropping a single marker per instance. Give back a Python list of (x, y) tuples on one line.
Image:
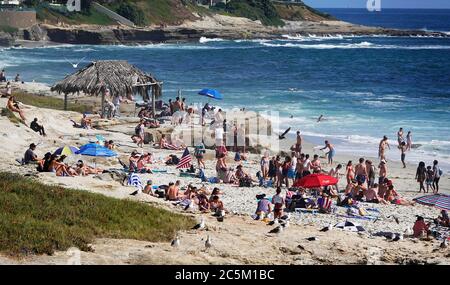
[(6, 39)]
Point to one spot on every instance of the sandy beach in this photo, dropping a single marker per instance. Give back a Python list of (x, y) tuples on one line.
[(239, 239)]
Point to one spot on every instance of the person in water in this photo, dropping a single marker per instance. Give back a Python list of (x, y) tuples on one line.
[(409, 140), (320, 118)]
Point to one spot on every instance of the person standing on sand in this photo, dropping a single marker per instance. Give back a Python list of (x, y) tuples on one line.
[(361, 171), (349, 172), (331, 152), (265, 165), (400, 138), (382, 148), (437, 175), (278, 203), (382, 174), (409, 140), (403, 149), (2, 76), (421, 175), (370, 173), (298, 145), (334, 172)]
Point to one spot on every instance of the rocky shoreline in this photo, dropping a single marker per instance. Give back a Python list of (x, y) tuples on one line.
[(110, 35)]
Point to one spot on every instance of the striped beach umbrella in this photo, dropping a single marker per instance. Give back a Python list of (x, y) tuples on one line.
[(66, 150), (440, 201)]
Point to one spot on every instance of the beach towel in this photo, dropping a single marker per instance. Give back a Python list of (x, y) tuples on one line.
[(135, 180), (369, 218)]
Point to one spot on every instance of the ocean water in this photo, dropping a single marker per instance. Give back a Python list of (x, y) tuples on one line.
[(365, 86)]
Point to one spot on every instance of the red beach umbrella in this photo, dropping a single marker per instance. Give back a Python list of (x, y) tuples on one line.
[(315, 181)]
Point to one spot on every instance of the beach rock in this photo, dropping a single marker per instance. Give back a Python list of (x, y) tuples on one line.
[(6, 40)]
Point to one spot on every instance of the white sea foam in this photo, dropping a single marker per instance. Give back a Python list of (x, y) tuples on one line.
[(362, 45), (207, 40)]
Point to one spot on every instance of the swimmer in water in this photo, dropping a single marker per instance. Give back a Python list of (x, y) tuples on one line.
[(320, 118)]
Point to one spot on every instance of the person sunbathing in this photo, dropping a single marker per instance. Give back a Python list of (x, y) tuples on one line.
[(203, 204), (443, 219), (143, 162), (148, 189), (371, 195), (86, 123), (13, 106), (216, 205), (172, 193), (394, 198), (164, 144), (84, 170), (58, 166), (109, 144)]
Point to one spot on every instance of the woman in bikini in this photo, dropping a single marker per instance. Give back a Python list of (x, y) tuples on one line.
[(14, 107), (350, 173)]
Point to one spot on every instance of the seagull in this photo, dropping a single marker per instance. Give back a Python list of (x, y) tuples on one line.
[(276, 230), (221, 216), (326, 229), (284, 223), (286, 217), (283, 135), (208, 243), (176, 242), (274, 222), (200, 226), (390, 236), (75, 65), (398, 237), (189, 206), (395, 218), (444, 243)]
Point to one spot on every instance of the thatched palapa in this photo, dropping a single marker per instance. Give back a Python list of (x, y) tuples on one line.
[(118, 76)]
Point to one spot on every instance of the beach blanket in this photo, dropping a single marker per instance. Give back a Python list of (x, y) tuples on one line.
[(357, 217)]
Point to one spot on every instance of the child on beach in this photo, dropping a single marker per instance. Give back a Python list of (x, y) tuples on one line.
[(430, 178), (265, 166), (278, 201), (349, 172)]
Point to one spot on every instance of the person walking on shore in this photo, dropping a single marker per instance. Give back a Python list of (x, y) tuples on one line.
[(382, 148), (409, 140), (400, 138), (437, 176), (403, 149), (421, 175)]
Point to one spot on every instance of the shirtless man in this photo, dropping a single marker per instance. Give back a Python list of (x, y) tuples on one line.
[(331, 152), (382, 174), (298, 145), (315, 164), (382, 148), (361, 171)]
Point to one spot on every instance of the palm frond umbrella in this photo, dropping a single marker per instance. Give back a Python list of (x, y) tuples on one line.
[(120, 77)]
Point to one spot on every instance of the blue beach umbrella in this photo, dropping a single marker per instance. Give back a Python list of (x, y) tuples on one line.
[(211, 93), (93, 149)]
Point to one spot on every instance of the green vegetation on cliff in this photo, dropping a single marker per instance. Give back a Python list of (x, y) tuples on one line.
[(175, 12)]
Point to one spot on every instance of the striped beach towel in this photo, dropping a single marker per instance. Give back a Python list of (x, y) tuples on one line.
[(135, 180)]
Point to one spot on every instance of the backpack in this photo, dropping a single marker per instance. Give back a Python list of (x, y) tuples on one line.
[(245, 182)]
